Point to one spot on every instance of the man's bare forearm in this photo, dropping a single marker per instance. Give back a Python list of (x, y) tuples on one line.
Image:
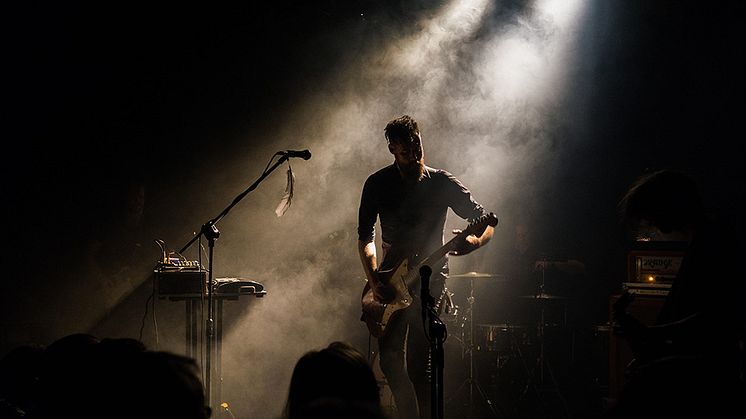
[(367, 251)]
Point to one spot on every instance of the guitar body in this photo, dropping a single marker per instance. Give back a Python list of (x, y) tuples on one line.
[(376, 314)]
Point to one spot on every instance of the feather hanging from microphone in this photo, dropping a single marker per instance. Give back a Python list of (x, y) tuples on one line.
[(287, 199)]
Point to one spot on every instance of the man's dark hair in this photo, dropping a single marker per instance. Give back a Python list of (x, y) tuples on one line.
[(403, 128)]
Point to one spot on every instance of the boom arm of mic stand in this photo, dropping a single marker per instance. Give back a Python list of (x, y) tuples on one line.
[(209, 227), (210, 231)]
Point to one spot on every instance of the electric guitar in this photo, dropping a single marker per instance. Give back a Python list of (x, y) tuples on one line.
[(378, 314)]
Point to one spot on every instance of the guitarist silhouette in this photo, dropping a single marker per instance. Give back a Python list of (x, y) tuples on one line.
[(411, 200)]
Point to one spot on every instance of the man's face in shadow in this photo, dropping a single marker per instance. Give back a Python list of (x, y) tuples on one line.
[(409, 156)]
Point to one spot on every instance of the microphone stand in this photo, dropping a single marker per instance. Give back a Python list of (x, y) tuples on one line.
[(210, 231), (437, 334)]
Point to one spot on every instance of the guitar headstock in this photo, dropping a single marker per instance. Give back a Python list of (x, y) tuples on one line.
[(478, 226)]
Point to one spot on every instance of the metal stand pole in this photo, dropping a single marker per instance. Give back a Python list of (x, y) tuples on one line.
[(437, 336), (536, 376), (471, 382), (210, 231)]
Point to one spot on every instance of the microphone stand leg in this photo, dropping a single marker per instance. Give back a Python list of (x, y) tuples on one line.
[(437, 335)]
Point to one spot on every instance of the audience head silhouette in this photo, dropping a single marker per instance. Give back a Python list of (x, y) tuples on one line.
[(85, 377), (336, 381)]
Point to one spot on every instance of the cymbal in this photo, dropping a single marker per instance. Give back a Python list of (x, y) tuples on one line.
[(543, 296), (479, 275)]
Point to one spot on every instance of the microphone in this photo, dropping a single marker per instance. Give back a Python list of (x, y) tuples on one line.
[(304, 154)]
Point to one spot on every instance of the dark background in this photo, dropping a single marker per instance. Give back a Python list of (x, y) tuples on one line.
[(105, 99)]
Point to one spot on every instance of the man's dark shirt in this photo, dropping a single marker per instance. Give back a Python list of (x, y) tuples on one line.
[(412, 214)]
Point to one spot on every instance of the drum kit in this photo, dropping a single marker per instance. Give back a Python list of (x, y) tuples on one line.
[(522, 345)]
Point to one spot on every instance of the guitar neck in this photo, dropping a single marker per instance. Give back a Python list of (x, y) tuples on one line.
[(433, 259), (477, 228), (439, 254)]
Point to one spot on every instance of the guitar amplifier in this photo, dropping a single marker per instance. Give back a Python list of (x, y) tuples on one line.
[(653, 266), (652, 270)]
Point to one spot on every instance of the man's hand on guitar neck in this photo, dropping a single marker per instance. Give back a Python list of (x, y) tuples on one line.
[(471, 242), (477, 234)]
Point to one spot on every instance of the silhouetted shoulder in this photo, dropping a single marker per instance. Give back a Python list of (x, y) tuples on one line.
[(387, 172), (441, 175)]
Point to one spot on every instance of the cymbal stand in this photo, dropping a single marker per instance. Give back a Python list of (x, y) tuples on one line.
[(535, 381), (471, 383)]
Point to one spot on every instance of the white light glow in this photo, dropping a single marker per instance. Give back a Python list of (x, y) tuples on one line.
[(564, 12), (455, 22)]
